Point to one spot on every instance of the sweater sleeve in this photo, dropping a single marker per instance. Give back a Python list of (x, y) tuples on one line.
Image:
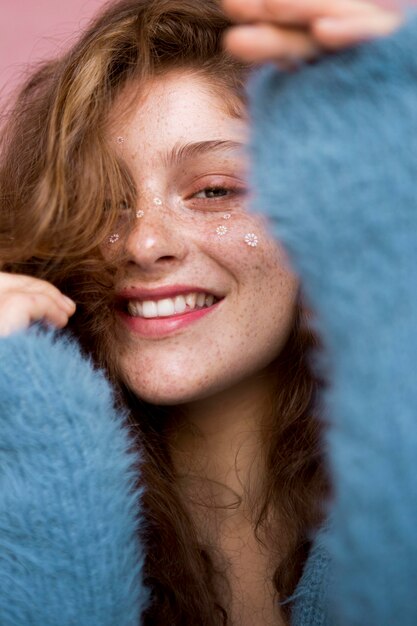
[(69, 547), (335, 168)]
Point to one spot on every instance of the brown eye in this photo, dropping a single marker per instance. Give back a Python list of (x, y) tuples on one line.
[(124, 206), (212, 192)]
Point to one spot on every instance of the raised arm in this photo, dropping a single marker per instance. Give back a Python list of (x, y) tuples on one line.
[(335, 158), (69, 505)]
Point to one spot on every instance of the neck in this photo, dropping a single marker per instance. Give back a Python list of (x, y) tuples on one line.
[(219, 439)]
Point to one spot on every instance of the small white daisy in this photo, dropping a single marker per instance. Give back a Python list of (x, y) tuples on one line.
[(120, 139), (157, 201), (227, 216), (140, 213), (251, 239), (114, 238), (221, 230)]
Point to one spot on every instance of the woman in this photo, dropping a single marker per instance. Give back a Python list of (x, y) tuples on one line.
[(124, 187)]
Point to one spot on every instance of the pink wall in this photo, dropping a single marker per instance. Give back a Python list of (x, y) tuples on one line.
[(33, 29)]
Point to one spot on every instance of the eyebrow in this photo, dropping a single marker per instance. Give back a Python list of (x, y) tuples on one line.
[(183, 152)]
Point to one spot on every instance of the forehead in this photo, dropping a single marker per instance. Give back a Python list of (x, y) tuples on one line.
[(173, 108)]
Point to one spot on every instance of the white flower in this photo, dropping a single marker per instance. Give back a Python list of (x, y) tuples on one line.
[(221, 230), (251, 239)]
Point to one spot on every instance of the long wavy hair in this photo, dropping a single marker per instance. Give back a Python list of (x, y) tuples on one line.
[(61, 187)]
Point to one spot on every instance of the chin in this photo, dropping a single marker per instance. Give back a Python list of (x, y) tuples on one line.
[(163, 395), (171, 392), (169, 398)]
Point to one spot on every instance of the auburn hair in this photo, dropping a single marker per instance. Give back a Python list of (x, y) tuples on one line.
[(61, 185)]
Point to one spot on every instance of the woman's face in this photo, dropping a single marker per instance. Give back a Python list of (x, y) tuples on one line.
[(205, 296)]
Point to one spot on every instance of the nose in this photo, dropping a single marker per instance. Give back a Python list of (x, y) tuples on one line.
[(156, 241)]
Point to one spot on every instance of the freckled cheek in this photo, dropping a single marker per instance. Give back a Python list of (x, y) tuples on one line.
[(262, 272), (234, 236), (244, 243), (272, 281), (276, 267)]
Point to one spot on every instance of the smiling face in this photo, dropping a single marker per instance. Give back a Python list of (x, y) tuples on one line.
[(206, 298)]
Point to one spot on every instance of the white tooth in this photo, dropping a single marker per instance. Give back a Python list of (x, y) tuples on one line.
[(165, 307), (201, 299), (135, 309), (209, 300), (180, 304), (191, 299), (149, 309)]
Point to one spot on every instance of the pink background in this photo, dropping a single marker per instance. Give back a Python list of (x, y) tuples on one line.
[(34, 29)]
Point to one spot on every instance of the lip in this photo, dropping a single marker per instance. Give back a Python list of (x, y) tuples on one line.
[(159, 327)]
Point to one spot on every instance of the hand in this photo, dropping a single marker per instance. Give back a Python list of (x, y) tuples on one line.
[(24, 300), (292, 31)]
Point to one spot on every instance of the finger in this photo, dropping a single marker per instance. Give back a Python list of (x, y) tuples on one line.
[(264, 42), (33, 285), (19, 310), (334, 34), (295, 12)]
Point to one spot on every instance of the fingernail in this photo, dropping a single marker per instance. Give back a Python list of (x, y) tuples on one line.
[(70, 303), (331, 23)]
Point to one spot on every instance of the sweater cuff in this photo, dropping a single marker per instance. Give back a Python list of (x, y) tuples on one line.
[(69, 501)]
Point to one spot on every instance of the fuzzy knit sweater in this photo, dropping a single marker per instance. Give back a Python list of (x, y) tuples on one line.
[(335, 167)]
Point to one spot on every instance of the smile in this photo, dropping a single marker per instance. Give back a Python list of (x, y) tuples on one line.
[(169, 307), (166, 311)]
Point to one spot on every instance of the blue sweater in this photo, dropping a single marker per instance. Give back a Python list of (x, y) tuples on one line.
[(335, 154)]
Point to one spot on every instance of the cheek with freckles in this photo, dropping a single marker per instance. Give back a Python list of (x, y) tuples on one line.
[(236, 230), (243, 244), (266, 289)]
